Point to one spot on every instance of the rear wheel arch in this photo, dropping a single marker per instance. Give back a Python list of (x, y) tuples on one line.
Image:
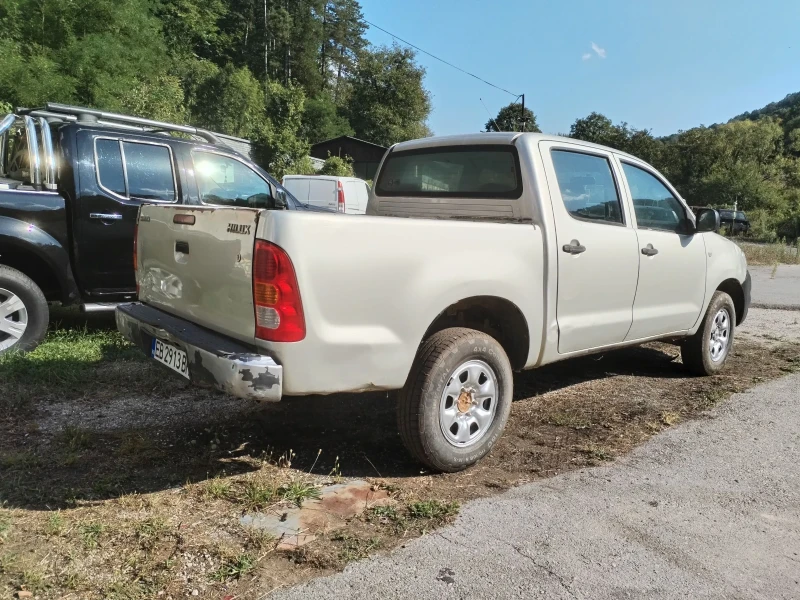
[(495, 316), (33, 266)]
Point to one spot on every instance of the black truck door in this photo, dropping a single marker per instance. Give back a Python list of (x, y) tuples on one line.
[(117, 175)]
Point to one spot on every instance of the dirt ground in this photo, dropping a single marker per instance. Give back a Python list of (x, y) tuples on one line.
[(128, 484)]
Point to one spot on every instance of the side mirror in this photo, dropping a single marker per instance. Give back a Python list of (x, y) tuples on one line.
[(280, 200), (707, 220)]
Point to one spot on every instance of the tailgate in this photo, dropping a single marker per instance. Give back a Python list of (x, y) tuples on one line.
[(196, 263)]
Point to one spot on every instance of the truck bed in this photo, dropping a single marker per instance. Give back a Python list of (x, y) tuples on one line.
[(370, 286)]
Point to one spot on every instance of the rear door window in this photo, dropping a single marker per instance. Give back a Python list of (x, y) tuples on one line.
[(587, 187), (461, 172), (136, 170), (150, 172)]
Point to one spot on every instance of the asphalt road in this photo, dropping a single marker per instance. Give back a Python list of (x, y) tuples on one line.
[(776, 288), (708, 509)]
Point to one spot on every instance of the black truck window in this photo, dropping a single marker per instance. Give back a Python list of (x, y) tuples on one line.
[(135, 170), (149, 169), (109, 166)]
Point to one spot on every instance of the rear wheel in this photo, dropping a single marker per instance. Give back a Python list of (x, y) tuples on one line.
[(23, 312), (457, 399), (706, 352)]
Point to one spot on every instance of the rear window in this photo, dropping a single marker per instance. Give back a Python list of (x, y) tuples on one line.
[(463, 172)]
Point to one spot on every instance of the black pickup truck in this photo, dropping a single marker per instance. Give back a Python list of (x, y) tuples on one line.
[(71, 183)]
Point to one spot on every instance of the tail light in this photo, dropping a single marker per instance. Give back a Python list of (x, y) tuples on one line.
[(276, 295), (135, 258), (340, 195)]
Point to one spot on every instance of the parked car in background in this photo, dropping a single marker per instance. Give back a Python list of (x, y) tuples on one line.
[(343, 194), (734, 222), (71, 183), (522, 250)]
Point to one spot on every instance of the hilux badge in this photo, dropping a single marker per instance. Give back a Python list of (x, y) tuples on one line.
[(239, 228)]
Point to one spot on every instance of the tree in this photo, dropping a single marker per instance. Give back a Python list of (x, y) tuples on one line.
[(513, 118), (338, 166), (388, 102), (322, 120), (599, 129)]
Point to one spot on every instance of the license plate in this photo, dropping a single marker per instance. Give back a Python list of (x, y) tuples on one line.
[(169, 355)]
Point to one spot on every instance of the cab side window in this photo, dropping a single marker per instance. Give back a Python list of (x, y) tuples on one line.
[(654, 205), (223, 180), (587, 187), (135, 170)]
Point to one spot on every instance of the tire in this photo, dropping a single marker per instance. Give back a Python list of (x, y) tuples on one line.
[(24, 328), (439, 429), (706, 352)]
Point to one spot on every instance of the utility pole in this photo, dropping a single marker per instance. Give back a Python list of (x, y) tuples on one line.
[(523, 112)]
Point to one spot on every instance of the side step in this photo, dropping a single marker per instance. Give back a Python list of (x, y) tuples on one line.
[(99, 307)]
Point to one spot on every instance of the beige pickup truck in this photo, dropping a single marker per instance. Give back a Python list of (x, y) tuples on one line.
[(479, 255)]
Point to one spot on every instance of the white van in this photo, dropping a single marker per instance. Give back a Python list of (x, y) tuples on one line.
[(342, 194)]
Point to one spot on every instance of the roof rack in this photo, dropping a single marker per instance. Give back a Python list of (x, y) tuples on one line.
[(55, 110)]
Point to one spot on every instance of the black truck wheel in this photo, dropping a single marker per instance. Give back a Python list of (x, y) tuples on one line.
[(23, 312), (707, 350), (457, 399)]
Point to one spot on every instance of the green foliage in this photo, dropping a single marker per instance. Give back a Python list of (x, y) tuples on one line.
[(750, 164), (283, 78), (513, 118), (388, 103), (302, 166), (338, 166)]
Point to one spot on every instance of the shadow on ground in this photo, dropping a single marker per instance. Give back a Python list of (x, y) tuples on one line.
[(355, 432)]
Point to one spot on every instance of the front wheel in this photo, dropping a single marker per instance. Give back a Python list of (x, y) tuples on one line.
[(23, 312), (706, 352), (457, 399)]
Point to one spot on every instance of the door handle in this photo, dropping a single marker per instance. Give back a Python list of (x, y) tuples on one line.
[(649, 250), (106, 216), (574, 247)]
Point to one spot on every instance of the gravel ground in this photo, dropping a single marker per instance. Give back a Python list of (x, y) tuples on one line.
[(710, 509), (776, 287), (769, 326)]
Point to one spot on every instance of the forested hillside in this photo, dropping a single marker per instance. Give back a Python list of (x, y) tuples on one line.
[(284, 73), (753, 162)]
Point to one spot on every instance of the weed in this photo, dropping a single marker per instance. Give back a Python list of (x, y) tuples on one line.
[(5, 527), (149, 531), (90, 532), (257, 494), (355, 548), (336, 471), (569, 419), (76, 439), (298, 492), (597, 452), (54, 525), (234, 568), (259, 538), (385, 513), (17, 461), (770, 254), (217, 488), (433, 509), (669, 418)]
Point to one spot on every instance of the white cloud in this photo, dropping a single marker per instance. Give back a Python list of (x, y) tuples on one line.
[(586, 56), (601, 52)]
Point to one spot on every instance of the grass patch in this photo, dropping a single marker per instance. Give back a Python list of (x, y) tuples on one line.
[(217, 488), (5, 528), (19, 460), (258, 494), (149, 531), (569, 419), (433, 509), (65, 356), (354, 547), (298, 492), (771, 254), (596, 452), (54, 525), (234, 567), (90, 534)]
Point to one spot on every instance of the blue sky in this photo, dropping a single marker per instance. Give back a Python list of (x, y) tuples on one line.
[(657, 64)]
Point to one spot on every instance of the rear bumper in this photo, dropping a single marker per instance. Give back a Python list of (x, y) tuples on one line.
[(214, 360)]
